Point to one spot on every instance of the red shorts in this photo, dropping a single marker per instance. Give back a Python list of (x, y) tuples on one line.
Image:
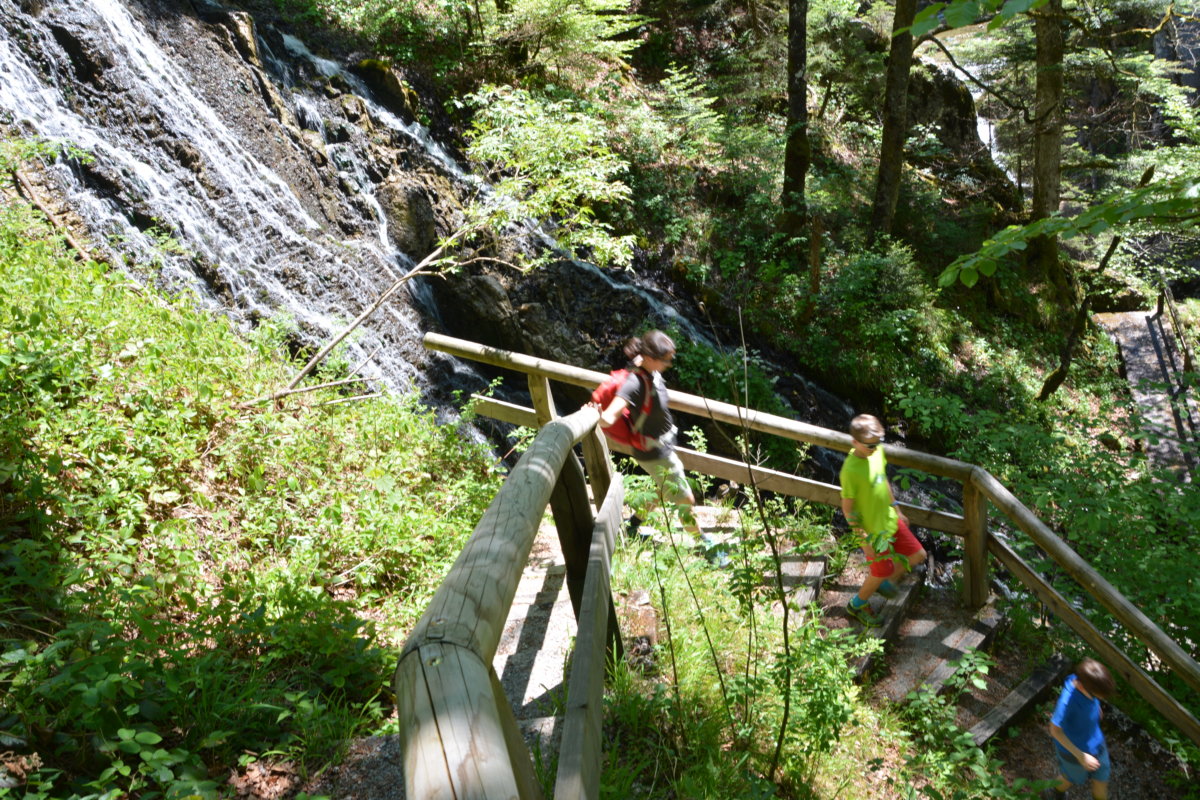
[(904, 543)]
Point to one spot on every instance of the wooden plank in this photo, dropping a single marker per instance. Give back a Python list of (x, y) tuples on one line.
[(1114, 658), (1124, 611), (518, 753), (424, 758), (976, 636), (573, 519), (579, 758), (456, 749), (894, 611), (795, 486), (598, 464), (1021, 700), (504, 411), (700, 406), (975, 571), (543, 399)]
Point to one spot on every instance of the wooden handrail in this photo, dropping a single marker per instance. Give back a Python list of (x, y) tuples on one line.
[(700, 406), (978, 484), (1166, 297), (1116, 658), (1127, 613), (458, 736)]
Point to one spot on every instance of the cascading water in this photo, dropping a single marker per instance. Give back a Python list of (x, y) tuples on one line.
[(168, 157), (270, 166)]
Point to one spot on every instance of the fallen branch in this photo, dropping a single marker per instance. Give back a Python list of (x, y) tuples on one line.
[(419, 269), (282, 393), (350, 399), (33, 197)]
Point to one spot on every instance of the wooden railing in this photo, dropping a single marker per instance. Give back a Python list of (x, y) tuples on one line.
[(491, 564), (1176, 341), (460, 738)]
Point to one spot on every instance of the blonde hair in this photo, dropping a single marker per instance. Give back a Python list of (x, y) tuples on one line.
[(865, 425)]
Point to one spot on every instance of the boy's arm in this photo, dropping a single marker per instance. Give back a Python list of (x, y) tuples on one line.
[(856, 525), (1089, 761), (892, 499)]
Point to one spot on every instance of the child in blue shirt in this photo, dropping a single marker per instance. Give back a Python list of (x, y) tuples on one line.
[(1075, 728)]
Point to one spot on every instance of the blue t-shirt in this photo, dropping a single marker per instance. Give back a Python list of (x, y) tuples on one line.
[(1079, 717)]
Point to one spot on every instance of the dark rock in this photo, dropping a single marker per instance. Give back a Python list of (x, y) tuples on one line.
[(412, 223), (389, 83), (88, 60)]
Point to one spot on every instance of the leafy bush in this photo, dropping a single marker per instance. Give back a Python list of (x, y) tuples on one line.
[(186, 572)]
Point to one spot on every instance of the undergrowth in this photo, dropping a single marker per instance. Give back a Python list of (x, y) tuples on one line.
[(190, 578)]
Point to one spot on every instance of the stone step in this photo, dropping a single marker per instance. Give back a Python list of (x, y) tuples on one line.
[(1021, 700), (935, 633)]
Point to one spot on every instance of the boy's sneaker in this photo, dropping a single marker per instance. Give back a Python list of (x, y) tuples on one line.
[(864, 614), (888, 589)]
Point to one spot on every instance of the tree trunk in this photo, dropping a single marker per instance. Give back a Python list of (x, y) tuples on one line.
[(895, 122), (1047, 143), (798, 152)]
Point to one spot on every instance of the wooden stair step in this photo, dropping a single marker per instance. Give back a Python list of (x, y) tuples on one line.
[(936, 633), (1022, 699), (893, 613), (802, 577)]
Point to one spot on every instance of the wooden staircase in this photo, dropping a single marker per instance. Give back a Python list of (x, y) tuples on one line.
[(925, 631)]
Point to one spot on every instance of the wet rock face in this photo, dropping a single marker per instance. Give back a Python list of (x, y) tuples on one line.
[(290, 187), (286, 190)]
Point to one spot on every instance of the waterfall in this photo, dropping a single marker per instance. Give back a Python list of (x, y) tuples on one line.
[(266, 163), (253, 234)]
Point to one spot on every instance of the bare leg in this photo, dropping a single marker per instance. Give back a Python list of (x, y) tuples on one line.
[(869, 586)]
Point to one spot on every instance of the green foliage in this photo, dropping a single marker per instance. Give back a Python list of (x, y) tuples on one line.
[(550, 163), (875, 323), (945, 754), (960, 13), (184, 574), (672, 138), (711, 730), (574, 39), (1166, 202)]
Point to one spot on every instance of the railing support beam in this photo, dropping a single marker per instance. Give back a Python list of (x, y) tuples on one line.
[(573, 518), (975, 571)]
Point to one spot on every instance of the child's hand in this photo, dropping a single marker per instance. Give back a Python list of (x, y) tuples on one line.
[(1090, 762)]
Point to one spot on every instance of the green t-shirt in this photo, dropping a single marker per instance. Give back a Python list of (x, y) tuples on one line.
[(865, 481)]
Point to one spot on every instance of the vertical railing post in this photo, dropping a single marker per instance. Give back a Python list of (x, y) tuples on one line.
[(543, 400), (975, 572), (574, 518), (599, 465)]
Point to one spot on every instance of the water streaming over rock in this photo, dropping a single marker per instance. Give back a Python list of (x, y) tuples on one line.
[(265, 230), (289, 188)]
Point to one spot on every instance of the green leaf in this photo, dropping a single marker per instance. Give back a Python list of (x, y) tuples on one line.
[(969, 277), (927, 20), (962, 14)]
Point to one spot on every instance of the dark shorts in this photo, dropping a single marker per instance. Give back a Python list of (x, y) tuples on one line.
[(903, 543), (1076, 773)]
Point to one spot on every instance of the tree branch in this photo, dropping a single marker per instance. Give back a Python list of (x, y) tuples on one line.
[(1011, 105)]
